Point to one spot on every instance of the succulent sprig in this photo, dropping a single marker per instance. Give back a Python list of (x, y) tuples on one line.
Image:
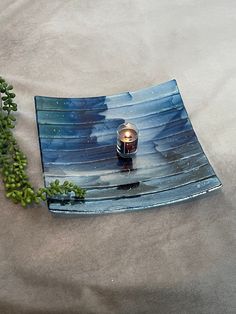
[(13, 162)]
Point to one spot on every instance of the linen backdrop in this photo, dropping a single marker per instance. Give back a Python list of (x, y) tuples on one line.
[(175, 259)]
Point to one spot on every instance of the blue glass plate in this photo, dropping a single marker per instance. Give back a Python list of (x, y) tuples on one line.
[(78, 143)]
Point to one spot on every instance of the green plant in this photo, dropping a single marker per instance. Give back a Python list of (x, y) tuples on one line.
[(13, 162)]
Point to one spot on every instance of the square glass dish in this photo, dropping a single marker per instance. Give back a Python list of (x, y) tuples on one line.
[(78, 143)]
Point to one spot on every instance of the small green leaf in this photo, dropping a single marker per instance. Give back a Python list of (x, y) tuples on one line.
[(12, 117)]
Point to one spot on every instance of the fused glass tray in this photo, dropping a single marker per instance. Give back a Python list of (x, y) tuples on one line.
[(78, 143)]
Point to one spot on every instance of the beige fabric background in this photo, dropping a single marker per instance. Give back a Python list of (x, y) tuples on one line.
[(176, 259)]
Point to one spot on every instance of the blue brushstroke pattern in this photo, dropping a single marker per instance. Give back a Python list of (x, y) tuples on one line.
[(78, 143)]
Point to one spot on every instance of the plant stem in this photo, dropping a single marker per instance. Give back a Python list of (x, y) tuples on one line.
[(13, 162)]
